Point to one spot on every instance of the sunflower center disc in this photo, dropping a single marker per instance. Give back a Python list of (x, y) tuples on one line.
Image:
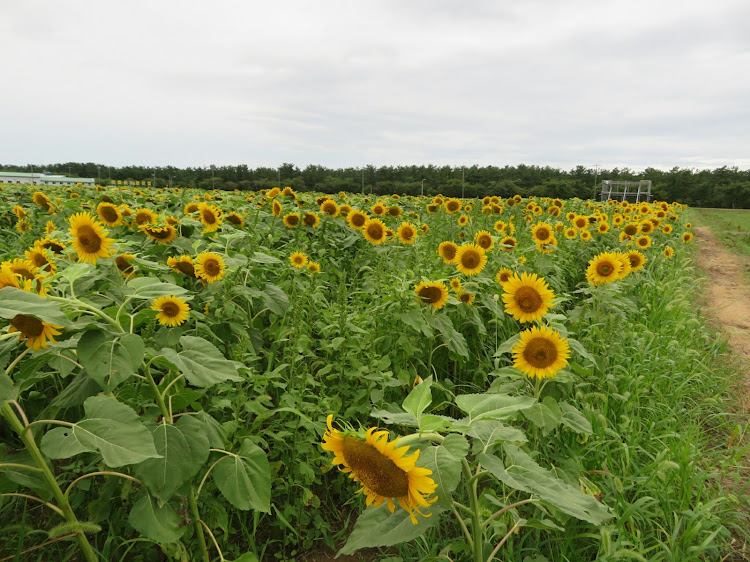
[(373, 469), (449, 252), (170, 309), (89, 239), (528, 299), (542, 234), (470, 259), (142, 218), (25, 273), (375, 231), (211, 267), (109, 214), (430, 295), (27, 325), (208, 217), (123, 265), (604, 269), (540, 353), (186, 268)]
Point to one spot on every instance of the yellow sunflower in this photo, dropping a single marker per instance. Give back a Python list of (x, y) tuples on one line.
[(160, 234), (508, 244), (89, 238), (637, 259), (182, 264), (210, 216), (173, 311), (643, 242), (36, 332), (209, 267), (580, 222), (466, 298), (236, 219), (434, 293), (311, 219), (329, 207), (313, 267), (484, 240), (687, 237), (23, 225), (42, 259), (144, 216), (192, 207), (298, 259), (668, 252), (540, 352), (42, 200), (585, 235), (125, 267), (357, 219), (378, 209), (527, 297), (604, 268), (503, 276), (277, 209), (52, 244), (462, 220), (470, 259), (631, 229), (407, 233), (109, 214), (375, 231), (456, 284), (452, 206), (384, 471), (447, 251), (542, 232)]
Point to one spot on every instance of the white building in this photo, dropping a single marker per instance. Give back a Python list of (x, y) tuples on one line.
[(42, 179)]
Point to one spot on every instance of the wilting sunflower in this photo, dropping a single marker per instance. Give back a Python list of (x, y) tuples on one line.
[(291, 220), (527, 297), (209, 267), (42, 200), (484, 240), (452, 206), (687, 237), (125, 267), (604, 268), (236, 219), (434, 293), (637, 259), (542, 232), (182, 264), (161, 234), (643, 242), (311, 219), (144, 216), (298, 259), (407, 233), (668, 251), (384, 471), (42, 259), (466, 298), (447, 251), (540, 352), (173, 311), (313, 267), (508, 244), (329, 207), (109, 214), (210, 216), (456, 284), (89, 238), (470, 259), (34, 330), (375, 231)]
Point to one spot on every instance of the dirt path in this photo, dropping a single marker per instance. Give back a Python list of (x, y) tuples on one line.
[(727, 294)]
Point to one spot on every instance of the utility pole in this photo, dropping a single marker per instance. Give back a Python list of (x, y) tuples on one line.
[(596, 178), (422, 187), (462, 183), (279, 175), (213, 181), (363, 180), (98, 181)]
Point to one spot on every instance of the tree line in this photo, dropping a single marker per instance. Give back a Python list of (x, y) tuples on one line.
[(727, 187)]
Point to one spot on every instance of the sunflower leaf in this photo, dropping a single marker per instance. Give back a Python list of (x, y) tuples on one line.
[(445, 463), (575, 420), (6, 388), (160, 524), (245, 479), (151, 288), (16, 301), (201, 362), (492, 406), (419, 398), (110, 359), (275, 299)]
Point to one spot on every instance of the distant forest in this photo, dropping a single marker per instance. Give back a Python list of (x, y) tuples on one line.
[(722, 187)]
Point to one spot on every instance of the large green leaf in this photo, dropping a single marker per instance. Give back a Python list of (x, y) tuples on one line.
[(110, 359), (379, 527), (15, 301), (6, 388), (521, 472), (492, 406), (575, 420), (158, 523), (151, 288), (245, 479), (454, 340), (445, 463), (275, 299), (183, 447), (545, 415), (419, 398), (201, 362), (490, 432), (109, 427)]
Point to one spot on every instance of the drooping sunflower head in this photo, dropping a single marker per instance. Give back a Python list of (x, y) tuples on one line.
[(89, 238), (604, 268), (235, 219), (42, 200), (144, 216), (42, 259), (277, 209), (192, 207), (172, 311), (124, 266), (298, 259), (36, 332), (209, 267), (407, 233), (484, 240), (434, 293), (52, 244), (394, 211), (540, 352), (109, 214), (375, 231), (527, 297), (470, 259), (160, 234), (447, 250), (182, 264), (383, 470)]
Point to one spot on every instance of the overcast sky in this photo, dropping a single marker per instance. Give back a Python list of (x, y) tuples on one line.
[(631, 83)]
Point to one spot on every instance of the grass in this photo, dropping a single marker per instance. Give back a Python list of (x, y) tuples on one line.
[(731, 226)]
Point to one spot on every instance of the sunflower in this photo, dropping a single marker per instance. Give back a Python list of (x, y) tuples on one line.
[(287, 192), (89, 238), (277, 209), (585, 235), (384, 471), (571, 233), (466, 298), (434, 293), (356, 219), (109, 214), (527, 297), (632, 228), (500, 226), (637, 259), (311, 219), (374, 231), (542, 232), (23, 225), (210, 216), (42, 259), (125, 267), (49, 228), (603, 227), (646, 227), (51, 244), (192, 207), (378, 209), (668, 251), (291, 219), (484, 240), (274, 192), (643, 242), (462, 220), (298, 259), (42, 200), (470, 259), (447, 251), (161, 234), (540, 352), (236, 219), (182, 264), (627, 269), (19, 211), (394, 211), (604, 268), (407, 233), (34, 330), (313, 267), (452, 206), (24, 268), (688, 225), (329, 207), (503, 276), (144, 216), (687, 237), (667, 229), (425, 228), (209, 267), (508, 244), (456, 284), (431, 208), (580, 222), (173, 311)]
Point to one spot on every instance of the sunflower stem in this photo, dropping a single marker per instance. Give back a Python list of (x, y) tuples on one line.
[(157, 393), (476, 525), (198, 528), (17, 360), (88, 308)]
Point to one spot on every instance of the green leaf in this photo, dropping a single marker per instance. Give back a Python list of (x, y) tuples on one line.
[(183, 447), (260, 257), (492, 406), (419, 398), (546, 416), (379, 527), (6, 388), (415, 319), (245, 479), (275, 299), (490, 432), (453, 339), (201, 363), (580, 350), (396, 418), (151, 288), (110, 359), (76, 271), (81, 387), (445, 463), (575, 420), (109, 427), (522, 473), (160, 524), (15, 301)]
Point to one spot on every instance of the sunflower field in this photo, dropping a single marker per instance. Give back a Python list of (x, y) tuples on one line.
[(192, 375)]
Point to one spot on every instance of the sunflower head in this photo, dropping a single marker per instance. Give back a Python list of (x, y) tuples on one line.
[(144, 216), (109, 214), (311, 219), (503, 276), (484, 240), (313, 267), (182, 264), (508, 244), (375, 231), (604, 268), (329, 207), (356, 219), (527, 297), (160, 234), (470, 259), (540, 352), (209, 267), (125, 267), (298, 259), (447, 250), (36, 332), (637, 259), (172, 311), (434, 293), (407, 233), (89, 238)]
